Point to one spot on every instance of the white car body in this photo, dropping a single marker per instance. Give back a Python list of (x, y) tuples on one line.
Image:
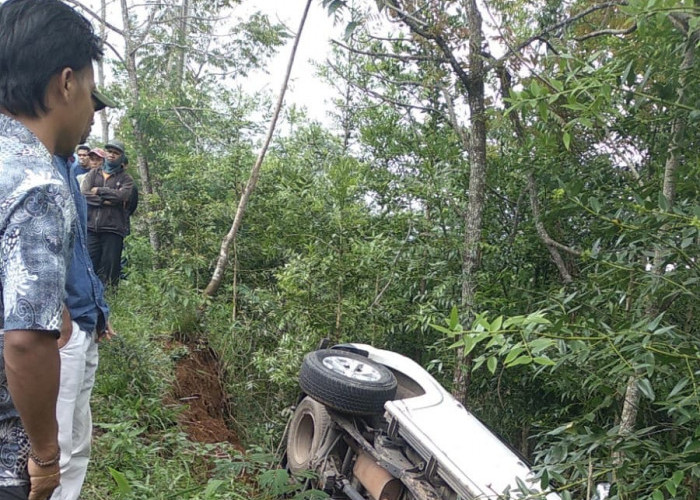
[(466, 454)]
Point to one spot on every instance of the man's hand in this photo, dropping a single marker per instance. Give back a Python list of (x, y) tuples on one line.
[(107, 334), (43, 480), (66, 328)]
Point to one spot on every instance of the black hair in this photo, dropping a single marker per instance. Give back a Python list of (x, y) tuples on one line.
[(83, 147), (38, 39)]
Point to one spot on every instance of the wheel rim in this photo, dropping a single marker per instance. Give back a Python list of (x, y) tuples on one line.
[(352, 368), (303, 442)]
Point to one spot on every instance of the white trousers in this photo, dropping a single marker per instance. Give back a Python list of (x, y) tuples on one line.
[(78, 367)]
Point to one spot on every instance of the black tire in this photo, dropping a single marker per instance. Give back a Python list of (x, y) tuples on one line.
[(362, 391), (307, 428)]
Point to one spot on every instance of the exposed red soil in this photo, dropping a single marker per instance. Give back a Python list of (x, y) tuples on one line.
[(198, 386)]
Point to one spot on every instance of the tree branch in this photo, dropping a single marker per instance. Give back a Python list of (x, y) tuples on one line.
[(404, 58), (559, 25), (230, 238), (605, 32), (415, 26), (393, 264), (94, 15), (386, 99)]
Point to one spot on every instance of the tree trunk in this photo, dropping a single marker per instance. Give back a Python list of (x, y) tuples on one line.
[(552, 245), (146, 186), (678, 127), (230, 237), (473, 219), (104, 121), (181, 52)]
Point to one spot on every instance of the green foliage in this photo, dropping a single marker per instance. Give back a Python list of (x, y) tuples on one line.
[(359, 237)]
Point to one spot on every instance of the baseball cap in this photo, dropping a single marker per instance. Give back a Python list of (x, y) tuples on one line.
[(102, 101), (115, 144), (99, 152)]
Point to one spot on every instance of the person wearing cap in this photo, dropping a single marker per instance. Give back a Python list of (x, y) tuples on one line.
[(107, 190), (96, 158), (46, 108)]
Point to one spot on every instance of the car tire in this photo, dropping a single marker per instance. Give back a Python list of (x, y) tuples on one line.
[(307, 428), (347, 382)]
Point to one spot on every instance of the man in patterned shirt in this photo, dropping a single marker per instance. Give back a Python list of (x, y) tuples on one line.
[(47, 103)]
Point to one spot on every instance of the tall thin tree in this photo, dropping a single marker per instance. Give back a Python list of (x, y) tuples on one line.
[(230, 238)]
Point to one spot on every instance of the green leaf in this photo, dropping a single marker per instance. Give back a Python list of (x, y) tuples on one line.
[(513, 320), (522, 360), (212, 487), (350, 29), (646, 389), (679, 387), (540, 344), (654, 323), (444, 330), (566, 138), (657, 495), (458, 344), (512, 354), (454, 318), (561, 429), (594, 203), (671, 487), (677, 477), (122, 484), (491, 364), (544, 361), (469, 344), (496, 324)]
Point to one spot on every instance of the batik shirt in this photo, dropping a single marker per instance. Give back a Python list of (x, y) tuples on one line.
[(37, 217)]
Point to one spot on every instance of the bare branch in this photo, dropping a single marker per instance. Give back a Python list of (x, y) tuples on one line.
[(386, 99), (94, 15), (605, 32), (404, 58), (146, 29), (559, 25), (680, 21), (461, 132), (418, 27), (393, 264), (114, 50)]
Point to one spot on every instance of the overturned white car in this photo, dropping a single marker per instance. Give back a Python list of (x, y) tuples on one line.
[(375, 424)]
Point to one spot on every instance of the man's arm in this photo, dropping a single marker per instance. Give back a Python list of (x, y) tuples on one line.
[(116, 196), (86, 188), (33, 368)]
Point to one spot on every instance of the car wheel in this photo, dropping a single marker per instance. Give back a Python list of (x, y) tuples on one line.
[(307, 428), (347, 382)]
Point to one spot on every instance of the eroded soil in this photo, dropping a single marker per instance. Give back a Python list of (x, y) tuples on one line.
[(198, 387)]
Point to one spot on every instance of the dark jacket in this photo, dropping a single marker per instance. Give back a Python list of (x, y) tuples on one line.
[(84, 290), (106, 208)]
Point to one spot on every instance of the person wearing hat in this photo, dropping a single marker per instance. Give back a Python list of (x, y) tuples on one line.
[(107, 190), (46, 108), (96, 158)]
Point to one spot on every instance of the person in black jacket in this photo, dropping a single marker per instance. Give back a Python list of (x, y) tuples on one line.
[(108, 190)]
